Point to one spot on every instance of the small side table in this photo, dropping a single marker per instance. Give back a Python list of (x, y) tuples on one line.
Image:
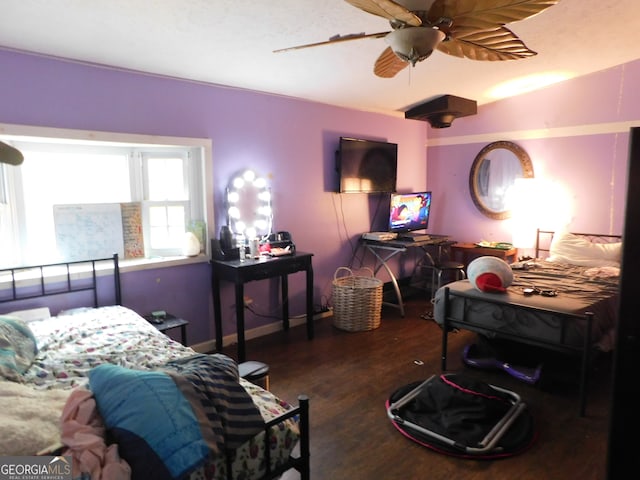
[(170, 322)]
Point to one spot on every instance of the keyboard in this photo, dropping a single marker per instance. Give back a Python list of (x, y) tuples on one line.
[(423, 237), (441, 238), (415, 238)]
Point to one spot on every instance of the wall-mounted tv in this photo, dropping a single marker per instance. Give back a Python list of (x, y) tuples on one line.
[(409, 211), (366, 166)]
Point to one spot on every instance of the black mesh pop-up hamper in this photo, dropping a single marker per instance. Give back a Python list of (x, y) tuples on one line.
[(463, 417)]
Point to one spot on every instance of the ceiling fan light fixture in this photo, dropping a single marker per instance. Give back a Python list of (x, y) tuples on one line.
[(10, 155), (414, 44)]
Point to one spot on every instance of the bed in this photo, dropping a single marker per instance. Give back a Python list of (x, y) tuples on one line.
[(101, 384), (572, 309)]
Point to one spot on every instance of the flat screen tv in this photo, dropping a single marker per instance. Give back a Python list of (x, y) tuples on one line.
[(409, 211), (366, 166)]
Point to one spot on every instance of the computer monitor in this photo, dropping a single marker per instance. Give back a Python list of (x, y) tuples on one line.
[(409, 211)]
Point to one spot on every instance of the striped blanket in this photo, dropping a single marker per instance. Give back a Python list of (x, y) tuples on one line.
[(169, 421), (225, 409)]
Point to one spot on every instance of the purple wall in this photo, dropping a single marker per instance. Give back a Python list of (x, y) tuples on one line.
[(576, 134), (290, 141)]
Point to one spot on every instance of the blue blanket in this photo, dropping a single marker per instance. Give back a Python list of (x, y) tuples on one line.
[(168, 422)]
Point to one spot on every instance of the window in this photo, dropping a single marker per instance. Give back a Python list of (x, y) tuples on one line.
[(162, 181)]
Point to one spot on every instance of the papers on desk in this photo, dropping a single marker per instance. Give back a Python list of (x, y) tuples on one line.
[(496, 245), (279, 252)]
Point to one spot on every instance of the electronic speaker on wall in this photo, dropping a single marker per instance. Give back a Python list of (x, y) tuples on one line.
[(442, 111)]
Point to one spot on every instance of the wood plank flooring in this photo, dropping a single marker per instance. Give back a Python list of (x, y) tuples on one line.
[(349, 376)]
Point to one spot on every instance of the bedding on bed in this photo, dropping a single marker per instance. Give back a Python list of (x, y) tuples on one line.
[(17, 348), (71, 344), (77, 351), (579, 289)]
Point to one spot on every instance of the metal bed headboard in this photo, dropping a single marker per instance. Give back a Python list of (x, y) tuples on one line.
[(56, 279), (544, 238)]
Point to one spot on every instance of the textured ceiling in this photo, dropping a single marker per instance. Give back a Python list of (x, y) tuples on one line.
[(231, 43)]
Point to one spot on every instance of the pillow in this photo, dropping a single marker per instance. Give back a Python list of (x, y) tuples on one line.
[(490, 274), (153, 424), (32, 314), (75, 311), (576, 250), (17, 348)]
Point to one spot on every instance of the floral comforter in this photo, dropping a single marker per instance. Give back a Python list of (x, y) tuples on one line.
[(72, 344)]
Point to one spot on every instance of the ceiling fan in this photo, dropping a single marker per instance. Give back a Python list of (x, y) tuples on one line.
[(10, 155), (472, 29)]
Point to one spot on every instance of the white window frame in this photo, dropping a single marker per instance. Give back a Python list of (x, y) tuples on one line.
[(200, 179)]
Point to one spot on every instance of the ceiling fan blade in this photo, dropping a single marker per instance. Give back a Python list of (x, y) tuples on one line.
[(335, 39), (484, 14), (387, 9), (489, 45), (10, 154), (388, 64)]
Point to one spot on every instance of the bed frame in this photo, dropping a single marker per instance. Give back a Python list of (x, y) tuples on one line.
[(22, 286), (26, 283), (543, 242)]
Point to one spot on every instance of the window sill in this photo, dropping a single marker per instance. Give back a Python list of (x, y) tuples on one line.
[(134, 264), (31, 276)]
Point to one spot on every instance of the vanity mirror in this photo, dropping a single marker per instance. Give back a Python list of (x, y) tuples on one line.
[(493, 175), (249, 205)]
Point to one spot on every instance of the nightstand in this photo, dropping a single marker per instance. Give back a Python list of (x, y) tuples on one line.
[(170, 322)]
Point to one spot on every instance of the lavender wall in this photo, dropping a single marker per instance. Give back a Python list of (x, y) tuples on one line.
[(290, 141), (575, 132)]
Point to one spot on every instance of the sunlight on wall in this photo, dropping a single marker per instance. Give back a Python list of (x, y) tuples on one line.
[(527, 84), (538, 203)]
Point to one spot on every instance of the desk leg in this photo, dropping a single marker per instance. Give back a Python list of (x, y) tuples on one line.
[(284, 285), (394, 281), (240, 321), (310, 326), (217, 314)]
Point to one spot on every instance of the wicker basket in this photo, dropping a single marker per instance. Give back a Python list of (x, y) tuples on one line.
[(357, 301)]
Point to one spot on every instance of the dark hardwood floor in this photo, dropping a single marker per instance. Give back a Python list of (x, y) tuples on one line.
[(349, 376)]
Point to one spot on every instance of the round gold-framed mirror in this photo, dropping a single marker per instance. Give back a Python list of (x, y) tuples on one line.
[(493, 176)]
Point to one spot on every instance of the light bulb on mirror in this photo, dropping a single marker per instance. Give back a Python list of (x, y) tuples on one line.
[(233, 196), (238, 183), (234, 212)]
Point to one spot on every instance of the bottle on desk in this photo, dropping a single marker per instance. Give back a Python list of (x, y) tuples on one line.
[(254, 248), (242, 247)]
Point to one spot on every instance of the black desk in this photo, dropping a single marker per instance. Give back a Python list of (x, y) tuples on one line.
[(249, 270), (384, 250)]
